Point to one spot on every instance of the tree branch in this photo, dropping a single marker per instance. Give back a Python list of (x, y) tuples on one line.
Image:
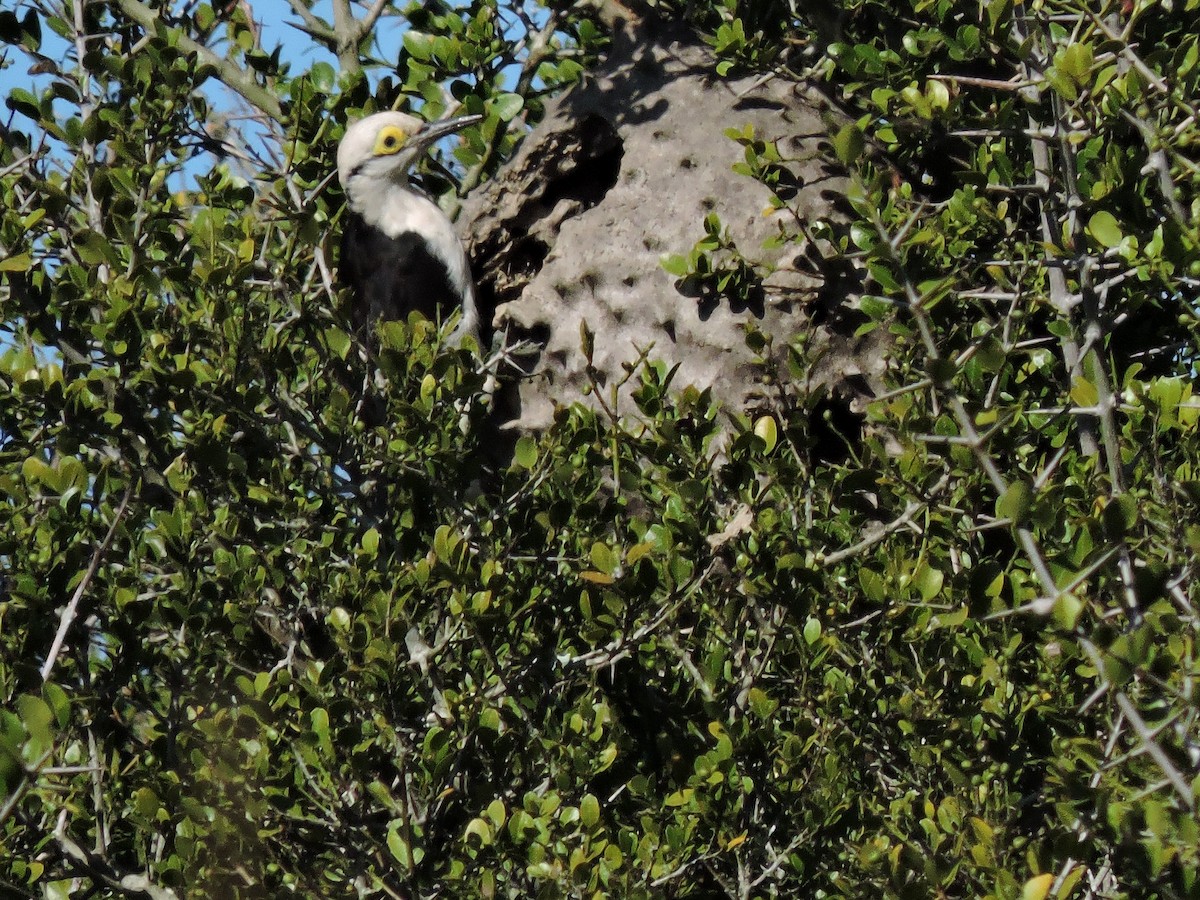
[(229, 73), (69, 611), (346, 36), (372, 16), (313, 25), (100, 870)]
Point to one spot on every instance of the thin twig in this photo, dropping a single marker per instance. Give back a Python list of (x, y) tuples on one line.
[(910, 512), (230, 73), (101, 871), (313, 26), (1178, 782), (69, 612)]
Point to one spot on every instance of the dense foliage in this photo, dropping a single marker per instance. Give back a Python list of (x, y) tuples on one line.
[(272, 622)]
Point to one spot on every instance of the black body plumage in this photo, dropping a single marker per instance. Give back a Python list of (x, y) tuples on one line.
[(399, 252), (390, 277)]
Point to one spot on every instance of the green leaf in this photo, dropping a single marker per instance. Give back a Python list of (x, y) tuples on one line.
[(1120, 516), (319, 721), (419, 45), (674, 264), (1016, 502), (679, 798), (589, 810), (937, 94), (812, 631), (506, 106), (928, 581), (1076, 62), (991, 355), (397, 845), (872, 584), (603, 558), (1103, 226), (323, 77), (24, 102), (525, 454), (497, 813), (146, 803), (370, 542), (1066, 611), (338, 341), (951, 619), (1038, 888), (429, 388), (848, 144), (94, 249), (761, 703), (996, 10), (20, 262), (587, 340), (791, 561), (57, 700), (1084, 393), (37, 719), (637, 551), (479, 829), (36, 470), (766, 429)]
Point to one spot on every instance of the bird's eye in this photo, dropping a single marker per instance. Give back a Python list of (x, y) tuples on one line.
[(390, 140)]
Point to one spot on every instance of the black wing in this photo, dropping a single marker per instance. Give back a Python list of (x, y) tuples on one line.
[(389, 277)]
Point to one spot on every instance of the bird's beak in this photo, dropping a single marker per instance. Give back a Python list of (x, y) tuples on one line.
[(433, 132)]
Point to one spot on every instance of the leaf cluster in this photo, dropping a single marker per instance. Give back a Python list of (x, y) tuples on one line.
[(274, 619)]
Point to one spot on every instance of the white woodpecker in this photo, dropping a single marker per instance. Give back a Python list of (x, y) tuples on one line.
[(399, 251)]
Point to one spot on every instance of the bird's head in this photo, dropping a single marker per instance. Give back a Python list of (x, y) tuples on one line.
[(384, 146)]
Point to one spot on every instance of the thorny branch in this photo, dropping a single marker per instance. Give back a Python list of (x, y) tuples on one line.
[(69, 611), (100, 870), (230, 73), (1058, 203)]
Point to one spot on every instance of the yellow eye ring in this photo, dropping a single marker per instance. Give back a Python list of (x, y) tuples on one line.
[(389, 140)]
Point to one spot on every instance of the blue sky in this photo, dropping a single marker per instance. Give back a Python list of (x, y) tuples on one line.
[(274, 17), (277, 29), (277, 23)]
